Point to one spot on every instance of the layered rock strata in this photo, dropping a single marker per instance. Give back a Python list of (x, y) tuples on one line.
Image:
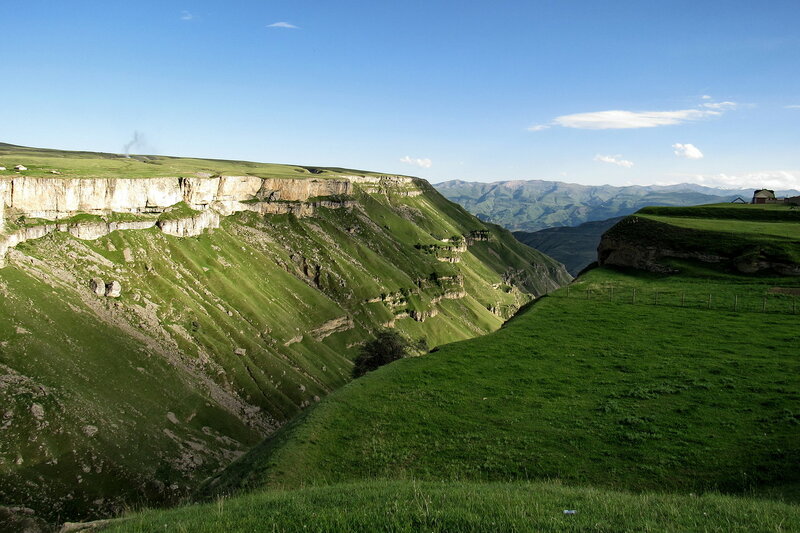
[(56, 199)]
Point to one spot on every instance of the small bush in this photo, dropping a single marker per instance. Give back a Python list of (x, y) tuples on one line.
[(387, 346)]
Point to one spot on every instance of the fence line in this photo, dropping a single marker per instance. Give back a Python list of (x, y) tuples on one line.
[(742, 302)]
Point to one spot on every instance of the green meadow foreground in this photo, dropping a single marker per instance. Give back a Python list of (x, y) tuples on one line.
[(634, 384), (409, 506)]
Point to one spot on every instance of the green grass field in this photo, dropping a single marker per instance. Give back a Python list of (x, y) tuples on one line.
[(68, 164), (410, 506), (588, 391)]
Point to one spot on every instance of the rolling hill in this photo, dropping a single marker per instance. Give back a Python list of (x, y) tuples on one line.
[(162, 315)]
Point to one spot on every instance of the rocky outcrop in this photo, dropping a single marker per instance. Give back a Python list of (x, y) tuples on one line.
[(400, 185), (81, 230), (645, 244), (190, 226)]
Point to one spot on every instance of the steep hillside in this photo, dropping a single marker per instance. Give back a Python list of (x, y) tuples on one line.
[(585, 386), (625, 379), (534, 204), (575, 247), (154, 328)]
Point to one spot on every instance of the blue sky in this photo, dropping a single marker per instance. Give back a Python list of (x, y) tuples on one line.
[(591, 92)]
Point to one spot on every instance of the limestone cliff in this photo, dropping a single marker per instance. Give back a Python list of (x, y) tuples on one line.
[(54, 199)]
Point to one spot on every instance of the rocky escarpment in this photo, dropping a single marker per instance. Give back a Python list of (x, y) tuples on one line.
[(646, 244), (52, 202)]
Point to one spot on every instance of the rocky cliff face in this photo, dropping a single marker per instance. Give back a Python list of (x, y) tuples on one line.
[(55, 198), (58, 198)]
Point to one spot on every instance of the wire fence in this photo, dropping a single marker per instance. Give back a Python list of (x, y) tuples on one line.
[(776, 300)]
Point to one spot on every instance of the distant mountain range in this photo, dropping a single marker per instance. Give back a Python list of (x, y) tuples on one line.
[(535, 204)]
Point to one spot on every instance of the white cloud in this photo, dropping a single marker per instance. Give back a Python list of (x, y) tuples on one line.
[(689, 151), (766, 179), (283, 25), (793, 107), (614, 160), (722, 106), (618, 119), (185, 15), (706, 97), (424, 163)]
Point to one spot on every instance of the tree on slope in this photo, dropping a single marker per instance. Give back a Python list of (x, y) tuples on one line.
[(387, 346)]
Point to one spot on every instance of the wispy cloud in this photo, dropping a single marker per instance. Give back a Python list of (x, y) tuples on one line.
[(614, 160), (721, 106), (706, 97), (619, 119), (283, 25), (793, 107), (185, 15), (423, 162), (688, 151), (769, 179)]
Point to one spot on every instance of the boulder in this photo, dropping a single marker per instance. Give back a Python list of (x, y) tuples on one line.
[(98, 286), (113, 289)]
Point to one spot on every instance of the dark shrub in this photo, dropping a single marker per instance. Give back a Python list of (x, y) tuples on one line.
[(387, 346)]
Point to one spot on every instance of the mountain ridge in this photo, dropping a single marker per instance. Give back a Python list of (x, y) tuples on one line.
[(532, 205)]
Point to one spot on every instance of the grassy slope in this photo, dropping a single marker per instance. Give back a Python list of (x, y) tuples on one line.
[(459, 506), (589, 386), (159, 367), (589, 391)]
